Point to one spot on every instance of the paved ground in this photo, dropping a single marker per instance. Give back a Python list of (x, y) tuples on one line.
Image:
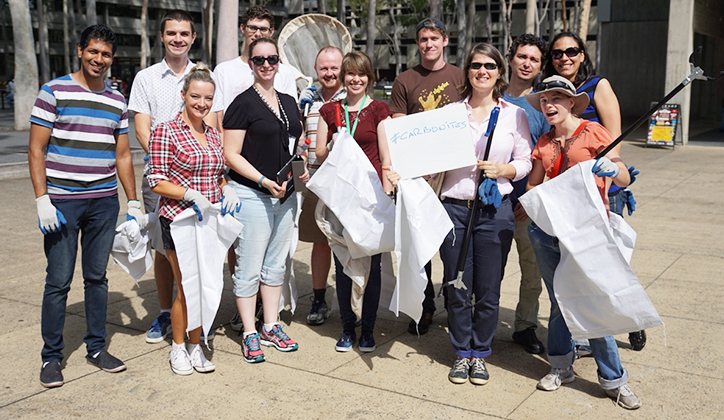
[(679, 259)]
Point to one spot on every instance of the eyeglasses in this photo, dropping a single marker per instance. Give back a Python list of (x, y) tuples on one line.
[(553, 85), (488, 66), (259, 60), (262, 29), (570, 52)]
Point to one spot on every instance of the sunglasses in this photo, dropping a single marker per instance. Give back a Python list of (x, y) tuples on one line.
[(553, 85), (570, 52), (262, 29), (259, 60), (488, 66)]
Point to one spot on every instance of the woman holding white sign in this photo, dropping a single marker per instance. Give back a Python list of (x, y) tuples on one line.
[(362, 116), (472, 326)]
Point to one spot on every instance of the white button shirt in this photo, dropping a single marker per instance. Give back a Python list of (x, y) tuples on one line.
[(156, 92)]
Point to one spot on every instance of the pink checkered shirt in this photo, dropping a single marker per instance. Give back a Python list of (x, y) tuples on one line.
[(176, 156)]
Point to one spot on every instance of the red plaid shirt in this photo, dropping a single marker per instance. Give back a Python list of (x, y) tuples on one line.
[(176, 156)]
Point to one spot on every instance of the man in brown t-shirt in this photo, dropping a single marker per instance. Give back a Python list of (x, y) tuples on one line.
[(430, 85)]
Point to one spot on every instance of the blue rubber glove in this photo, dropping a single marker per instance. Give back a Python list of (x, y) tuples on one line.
[(230, 202), (632, 172), (306, 97), (50, 219), (489, 193), (629, 202)]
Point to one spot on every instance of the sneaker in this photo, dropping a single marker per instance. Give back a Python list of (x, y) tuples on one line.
[(459, 372), (180, 362), (250, 349), (367, 343), (624, 397), (277, 338), (318, 313), (555, 378), (160, 328), (478, 372), (199, 361), (637, 340), (235, 322), (423, 327), (50, 374), (104, 361), (345, 342), (583, 351)]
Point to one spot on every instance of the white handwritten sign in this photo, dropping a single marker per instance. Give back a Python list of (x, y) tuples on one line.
[(430, 142)]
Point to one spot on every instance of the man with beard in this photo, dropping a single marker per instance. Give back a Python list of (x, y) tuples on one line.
[(525, 61), (327, 65)]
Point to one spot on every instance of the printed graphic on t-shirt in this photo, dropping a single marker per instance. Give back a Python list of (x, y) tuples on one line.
[(434, 99)]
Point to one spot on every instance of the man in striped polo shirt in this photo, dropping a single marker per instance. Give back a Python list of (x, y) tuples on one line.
[(82, 125)]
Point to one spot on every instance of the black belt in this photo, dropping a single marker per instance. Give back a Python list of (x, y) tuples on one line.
[(466, 203)]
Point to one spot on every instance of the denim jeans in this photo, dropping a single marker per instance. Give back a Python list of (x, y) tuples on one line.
[(371, 297), (611, 374), (95, 220), (264, 242), (617, 201), (472, 323)]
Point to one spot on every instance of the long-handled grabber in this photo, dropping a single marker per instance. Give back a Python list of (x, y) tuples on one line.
[(696, 74), (457, 282)]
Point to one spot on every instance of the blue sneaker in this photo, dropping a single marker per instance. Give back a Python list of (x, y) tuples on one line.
[(367, 343), (345, 342), (160, 328)]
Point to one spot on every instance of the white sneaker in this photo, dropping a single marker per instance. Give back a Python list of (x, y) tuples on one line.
[(555, 378), (180, 363), (624, 397), (199, 361)]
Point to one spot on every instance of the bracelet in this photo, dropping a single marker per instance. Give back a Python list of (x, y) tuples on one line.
[(260, 180)]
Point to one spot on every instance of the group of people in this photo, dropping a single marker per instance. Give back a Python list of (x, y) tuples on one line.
[(247, 117)]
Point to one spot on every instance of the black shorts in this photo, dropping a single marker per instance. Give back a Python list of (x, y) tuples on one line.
[(166, 233)]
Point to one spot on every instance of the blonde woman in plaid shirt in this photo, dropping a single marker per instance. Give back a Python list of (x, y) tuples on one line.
[(187, 170)]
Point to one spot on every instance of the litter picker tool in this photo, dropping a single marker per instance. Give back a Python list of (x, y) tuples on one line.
[(457, 282), (696, 74)]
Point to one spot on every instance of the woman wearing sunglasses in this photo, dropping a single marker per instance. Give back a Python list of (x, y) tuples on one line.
[(262, 127), (472, 325), (567, 57), (362, 116)]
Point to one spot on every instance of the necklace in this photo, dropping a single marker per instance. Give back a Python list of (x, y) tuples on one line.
[(356, 120), (268, 105)]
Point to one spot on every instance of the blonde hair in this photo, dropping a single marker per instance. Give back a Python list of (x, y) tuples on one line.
[(200, 72)]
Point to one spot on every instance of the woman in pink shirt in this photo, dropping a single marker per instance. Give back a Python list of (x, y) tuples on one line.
[(472, 325)]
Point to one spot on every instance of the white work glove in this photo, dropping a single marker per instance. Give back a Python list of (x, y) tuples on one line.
[(331, 142), (230, 202), (134, 213), (306, 97), (50, 219), (604, 167), (201, 203)]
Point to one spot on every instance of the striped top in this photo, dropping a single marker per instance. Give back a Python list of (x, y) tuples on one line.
[(81, 156), (589, 88)]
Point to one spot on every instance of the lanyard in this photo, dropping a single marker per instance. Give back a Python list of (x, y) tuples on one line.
[(356, 120)]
